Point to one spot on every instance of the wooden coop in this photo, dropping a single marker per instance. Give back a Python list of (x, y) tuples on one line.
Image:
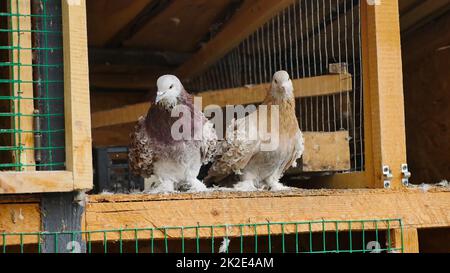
[(77, 74)]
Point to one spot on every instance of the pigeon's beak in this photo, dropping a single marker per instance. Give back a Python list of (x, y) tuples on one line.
[(159, 96), (286, 87)]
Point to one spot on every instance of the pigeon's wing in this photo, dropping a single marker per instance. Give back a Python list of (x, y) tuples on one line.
[(296, 152), (140, 152), (209, 145), (236, 150)]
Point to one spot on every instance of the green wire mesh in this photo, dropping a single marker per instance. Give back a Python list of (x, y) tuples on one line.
[(31, 108), (352, 236)]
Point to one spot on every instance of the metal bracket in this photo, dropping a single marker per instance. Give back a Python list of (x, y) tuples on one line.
[(406, 174), (387, 176)]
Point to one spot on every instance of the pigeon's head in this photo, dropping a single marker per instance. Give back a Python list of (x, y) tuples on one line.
[(282, 85), (169, 88)]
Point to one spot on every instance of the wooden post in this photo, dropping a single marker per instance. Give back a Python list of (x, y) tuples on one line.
[(384, 123), (22, 72), (406, 238), (76, 94)]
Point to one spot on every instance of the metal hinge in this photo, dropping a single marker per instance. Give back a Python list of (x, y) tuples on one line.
[(406, 174), (387, 176)]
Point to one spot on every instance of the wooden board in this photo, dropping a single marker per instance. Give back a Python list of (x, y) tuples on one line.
[(107, 17), (15, 218), (406, 238), (24, 74), (76, 94), (384, 124), (326, 152), (35, 182), (416, 209), (422, 13), (180, 26), (251, 15), (306, 87)]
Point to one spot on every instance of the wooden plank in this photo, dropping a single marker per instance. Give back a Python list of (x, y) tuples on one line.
[(423, 13), (107, 17), (326, 151), (35, 182), (406, 238), (15, 218), (425, 41), (251, 15), (174, 28), (127, 77), (21, 37), (416, 209), (384, 123), (306, 87), (122, 115), (76, 94)]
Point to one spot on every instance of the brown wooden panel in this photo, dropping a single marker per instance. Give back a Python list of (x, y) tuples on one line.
[(107, 17), (179, 27), (415, 208)]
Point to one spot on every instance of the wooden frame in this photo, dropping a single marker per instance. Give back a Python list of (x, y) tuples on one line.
[(78, 174), (384, 119)]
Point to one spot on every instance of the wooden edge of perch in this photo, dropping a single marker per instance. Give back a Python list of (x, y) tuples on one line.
[(416, 210), (306, 87)]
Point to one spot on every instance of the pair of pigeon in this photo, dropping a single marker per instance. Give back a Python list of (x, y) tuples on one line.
[(238, 161)]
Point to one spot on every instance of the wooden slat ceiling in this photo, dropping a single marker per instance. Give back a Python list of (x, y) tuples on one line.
[(180, 27), (176, 29)]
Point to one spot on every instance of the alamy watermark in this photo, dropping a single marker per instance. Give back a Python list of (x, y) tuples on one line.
[(243, 122)]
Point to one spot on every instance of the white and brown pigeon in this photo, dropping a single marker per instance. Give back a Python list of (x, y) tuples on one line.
[(243, 162), (154, 150)]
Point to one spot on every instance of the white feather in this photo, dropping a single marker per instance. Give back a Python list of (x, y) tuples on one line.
[(224, 245)]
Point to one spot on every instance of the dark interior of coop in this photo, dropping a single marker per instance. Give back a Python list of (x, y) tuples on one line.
[(317, 43)]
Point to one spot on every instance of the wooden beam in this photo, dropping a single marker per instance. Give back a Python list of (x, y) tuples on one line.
[(406, 239), (122, 115), (416, 209), (20, 217), (152, 9), (384, 123), (76, 94), (142, 79), (326, 152), (251, 15), (425, 41), (135, 57), (423, 13), (35, 182), (306, 87), (23, 74), (106, 18)]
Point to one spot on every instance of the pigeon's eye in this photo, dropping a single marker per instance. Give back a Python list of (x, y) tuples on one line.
[(276, 81), (171, 86)]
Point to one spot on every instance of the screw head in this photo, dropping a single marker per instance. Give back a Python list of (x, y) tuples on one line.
[(405, 182), (387, 184)]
